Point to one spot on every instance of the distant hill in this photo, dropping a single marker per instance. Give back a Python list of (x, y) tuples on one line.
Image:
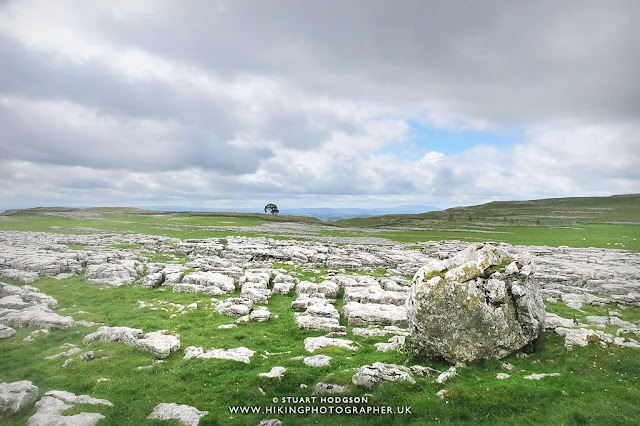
[(614, 209), (330, 214)]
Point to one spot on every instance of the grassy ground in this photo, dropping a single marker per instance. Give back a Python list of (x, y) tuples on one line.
[(596, 385), (182, 225)]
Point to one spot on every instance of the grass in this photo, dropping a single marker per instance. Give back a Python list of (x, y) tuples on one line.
[(596, 385), (582, 394)]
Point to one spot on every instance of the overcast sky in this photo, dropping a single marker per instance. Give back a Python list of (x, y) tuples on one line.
[(316, 103)]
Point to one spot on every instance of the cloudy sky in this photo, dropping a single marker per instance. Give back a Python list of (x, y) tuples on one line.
[(307, 103)]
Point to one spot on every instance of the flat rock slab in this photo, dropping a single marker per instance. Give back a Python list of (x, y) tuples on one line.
[(311, 344), (317, 361), (322, 387), (375, 314), (181, 413), (240, 354), (17, 396), (53, 403), (370, 376), (39, 316), (276, 372)]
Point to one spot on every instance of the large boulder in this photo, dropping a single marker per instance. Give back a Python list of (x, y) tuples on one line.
[(480, 304)]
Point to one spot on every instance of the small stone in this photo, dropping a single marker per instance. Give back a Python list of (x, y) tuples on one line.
[(322, 387), (276, 372), (87, 356), (540, 376), (317, 361), (185, 414), (501, 376)]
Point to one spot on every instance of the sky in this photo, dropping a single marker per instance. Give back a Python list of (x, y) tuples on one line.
[(307, 103)]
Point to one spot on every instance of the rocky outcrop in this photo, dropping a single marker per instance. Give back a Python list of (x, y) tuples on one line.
[(480, 304)]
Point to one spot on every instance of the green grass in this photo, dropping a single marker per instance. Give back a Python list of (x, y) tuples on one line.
[(582, 394)]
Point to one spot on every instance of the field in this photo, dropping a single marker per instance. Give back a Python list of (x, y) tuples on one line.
[(595, 385)]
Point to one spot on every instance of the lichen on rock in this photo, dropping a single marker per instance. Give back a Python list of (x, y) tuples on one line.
[(486, 305)]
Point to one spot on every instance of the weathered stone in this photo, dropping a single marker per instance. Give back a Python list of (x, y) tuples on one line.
[(540, 376), (181, 413), (17, 396), (443, 377), (39, 316), (153, 280), (235, 307), (6, 331), (467, 316), (370, 376), (424, 371), (53, 403), (64, 354), (211, 279), (195, 288), (158, 343), (583, 336), (322, 387), (317, 361), (113, 274), (375, 314), (276, 372), (270, 422), (87, 356), (240, 354), (311, 344), (126, 335), (395, 343), (260, 314)]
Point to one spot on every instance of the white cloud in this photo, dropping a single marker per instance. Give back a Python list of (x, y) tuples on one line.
[(314, 102)]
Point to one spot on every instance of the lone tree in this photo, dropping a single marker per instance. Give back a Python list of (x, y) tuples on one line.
[(271, 208)]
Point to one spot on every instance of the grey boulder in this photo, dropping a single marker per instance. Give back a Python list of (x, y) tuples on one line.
[(486, 305)]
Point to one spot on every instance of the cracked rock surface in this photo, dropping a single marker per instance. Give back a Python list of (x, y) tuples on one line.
[(475, 312)]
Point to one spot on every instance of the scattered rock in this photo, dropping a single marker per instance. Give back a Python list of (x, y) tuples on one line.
[(276, 372), (158, 343), (270, 422), (53, 403), (501, 376), (181, 413), (6, 331), (322, 387), (540, 376), (311, 344), (317, 361), (240, 354), (443, 377), (395, 343), (370, 376), (424, 371), (17, 396)]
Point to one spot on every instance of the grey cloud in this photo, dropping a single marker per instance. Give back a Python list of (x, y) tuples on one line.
[(493, 60)]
